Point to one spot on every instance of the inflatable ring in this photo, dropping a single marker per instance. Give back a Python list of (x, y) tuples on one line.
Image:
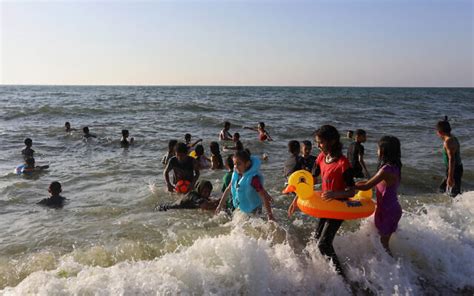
[(311, 203)]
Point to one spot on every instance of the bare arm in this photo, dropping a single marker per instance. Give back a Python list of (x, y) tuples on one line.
[(223, 199), (362, 163), (266, 200), (366, 185), (167, 177)]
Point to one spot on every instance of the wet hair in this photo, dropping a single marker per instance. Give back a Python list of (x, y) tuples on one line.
[(67, 123), (187, 137), (203, 184), (125, 133), (181, 148), (30, 161), (226, 124), (360, 132), (236, 135), (85, 130), (229, 162), (307, 144), (243, 155), (172, 145), (199, 150), (28, 142), (330, 133), (261, 124), (55, 187), (443, 126), (294, 147), (214, 147), (390, 151)]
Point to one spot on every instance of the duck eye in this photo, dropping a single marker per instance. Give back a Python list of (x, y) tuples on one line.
[(302, 180)]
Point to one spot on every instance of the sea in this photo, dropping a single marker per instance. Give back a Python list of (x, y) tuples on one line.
[(109, 240)]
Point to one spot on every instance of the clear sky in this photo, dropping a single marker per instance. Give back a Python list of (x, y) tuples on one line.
[(300, 43)]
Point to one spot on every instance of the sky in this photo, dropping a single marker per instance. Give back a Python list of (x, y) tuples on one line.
[(411, 43)]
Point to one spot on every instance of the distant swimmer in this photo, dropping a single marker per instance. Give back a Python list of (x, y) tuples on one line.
[(27, 152), (189, 144), (202, 161), (452, 159), (67, 127), (263, 135), (55, 200), (199, 198), (225, 135), (355, 154), (216, 158), (87, 134), (237, 144), (124, 142), (29, 167)]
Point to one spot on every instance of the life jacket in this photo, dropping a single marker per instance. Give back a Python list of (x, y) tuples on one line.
[(244, 196)]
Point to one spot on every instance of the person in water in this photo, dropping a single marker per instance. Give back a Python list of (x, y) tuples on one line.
[(225, 135), (189, 144), (171, 151), (55, 200), (337, 183), (229, 165), (202, 161), (237, 144), (184, 167), (307, 158), (195, 199), (293, 162), (355, 154), (263, 135), (452, 159), (248, 193), (386, 182), (87, 134), (350, 134), (216, 158), (29, 167), (67, 127), (124, 142), (27, 152)]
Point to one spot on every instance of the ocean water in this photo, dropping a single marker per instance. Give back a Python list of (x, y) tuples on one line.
[(108, 240)]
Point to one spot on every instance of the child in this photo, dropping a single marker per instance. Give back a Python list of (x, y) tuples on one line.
[(293, 163), (307, 159), (451, 158), (171, 151), (238, 145), (202, 161), (87, 135), (355, 154), (184, 167), (196, 199), (262, 133), (350, 134), (55, 200), (225, 135), (229, 165), (124, 143), (187, 139), (68, 128), (386, 182), (337, 183), (216, 157), (28, 152), (29, 167), (246, 185)]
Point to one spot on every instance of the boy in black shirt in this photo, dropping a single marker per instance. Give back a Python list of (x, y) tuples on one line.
[(355, 154)]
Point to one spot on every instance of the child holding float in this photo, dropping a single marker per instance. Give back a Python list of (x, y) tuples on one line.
[(386, 182), (246, 186), (337, 183)]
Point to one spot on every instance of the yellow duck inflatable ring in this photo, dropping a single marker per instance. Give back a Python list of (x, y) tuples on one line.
[(311, 203)]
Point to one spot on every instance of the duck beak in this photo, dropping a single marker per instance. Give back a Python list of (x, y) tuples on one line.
[(289, 188)]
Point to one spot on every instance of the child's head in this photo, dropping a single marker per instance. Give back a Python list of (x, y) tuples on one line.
[(294, 147), (55, 188), (350, 134), (214, 147), (199, 150), (226, 125), (242, 161), (187, 138), (204, 188), (67, 125), (172, 146), (261, 125), (85, 130), (125, 133), (389, 151), (28, 142), (360, 135), (181, 151), (328, 140), (229, 163), (236, 137), (306, 148), (30, 162), (443, 128)]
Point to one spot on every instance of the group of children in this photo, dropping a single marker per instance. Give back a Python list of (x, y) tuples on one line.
[(244, 183)]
